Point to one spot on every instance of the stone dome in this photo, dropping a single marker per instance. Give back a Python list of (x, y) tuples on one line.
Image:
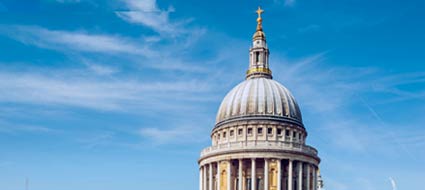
[(259, 98)]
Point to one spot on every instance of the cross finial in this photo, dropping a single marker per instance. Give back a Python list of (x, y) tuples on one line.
[(259, 12), (259, 19)]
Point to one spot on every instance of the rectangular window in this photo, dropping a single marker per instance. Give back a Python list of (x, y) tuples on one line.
[(294, 134), (260, 130), (224, 134), (269, 131), (231, 133), (279, 131), (240, 132), (287, 132), (249, 131)]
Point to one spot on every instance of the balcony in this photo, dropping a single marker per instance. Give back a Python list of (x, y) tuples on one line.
[(259, 145)]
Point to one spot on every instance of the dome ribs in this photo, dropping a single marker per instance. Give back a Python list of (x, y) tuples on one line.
[(261, 99), (279, 107), (290, 101), (244, 99), (252, 97), (237, 106), (234, 106), (270, 98)]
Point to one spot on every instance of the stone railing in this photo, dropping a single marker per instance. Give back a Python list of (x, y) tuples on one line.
[(259, 145)]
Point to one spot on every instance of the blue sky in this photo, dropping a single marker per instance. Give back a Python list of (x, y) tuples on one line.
[(122, 95)]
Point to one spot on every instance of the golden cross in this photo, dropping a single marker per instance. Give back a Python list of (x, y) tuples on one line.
[(259, 12)]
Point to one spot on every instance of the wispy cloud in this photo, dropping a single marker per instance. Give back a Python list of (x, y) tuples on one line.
[(100, 139), (98, 68), (74, 89), (161, 135), (287, 3), (79, 41), (332, 93), (16, 127), (393, 184), (343, 85), (82, 45), (147, 13)]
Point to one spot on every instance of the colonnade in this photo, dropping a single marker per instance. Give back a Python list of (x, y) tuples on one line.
[(268, 174)]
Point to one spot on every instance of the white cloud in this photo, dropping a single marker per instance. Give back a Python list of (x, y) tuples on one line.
[(393, 184), (100, 139), (14, 127), (79, 41), (98, 68), (288, 3), (81, 46), (77, 89), (173, 135), (336, 87), (329, 94), (147, 13)]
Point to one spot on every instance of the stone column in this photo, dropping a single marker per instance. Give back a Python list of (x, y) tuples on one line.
[(240, 175), (314, 178), (253, 176), (229, 175), (308, 177), (211, 177), (200, 178), (218, 176), (290, 180), (205, 177), (266, 174), (300, 175), (261, 57), (279, 174)]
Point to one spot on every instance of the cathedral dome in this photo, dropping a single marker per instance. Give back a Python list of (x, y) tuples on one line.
[(259, 140), (259, 98)]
